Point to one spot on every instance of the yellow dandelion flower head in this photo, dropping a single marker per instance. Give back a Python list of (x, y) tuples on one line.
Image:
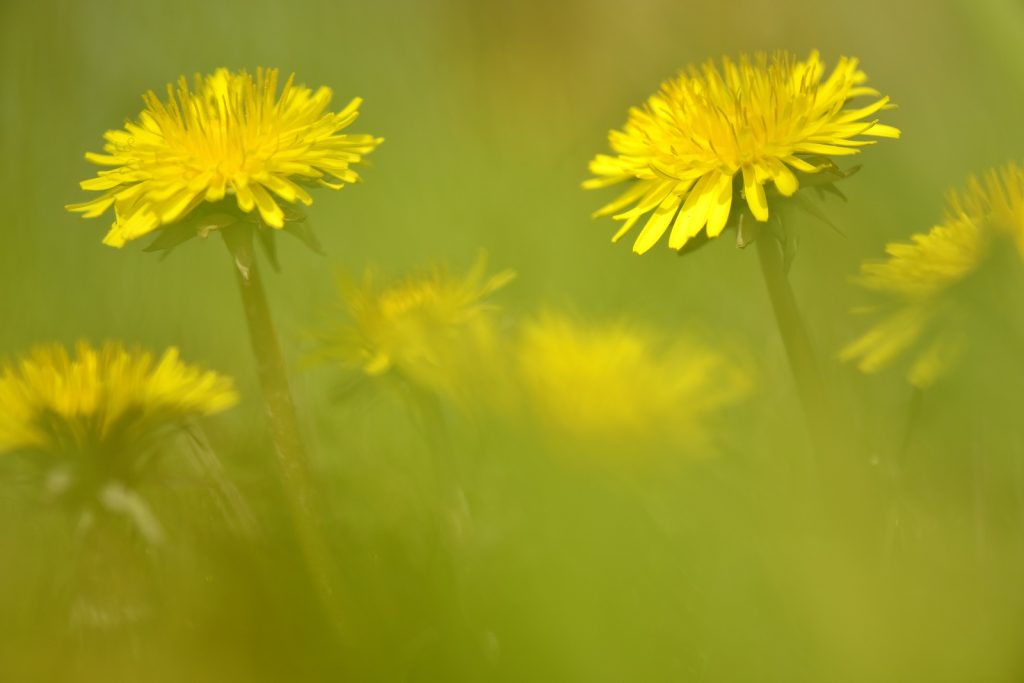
[(229, 134), (616, 384), (917, 278), (742, 125), (425, 328), (109, 396)]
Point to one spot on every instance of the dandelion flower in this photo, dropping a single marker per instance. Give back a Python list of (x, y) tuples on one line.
[(230, 134), (101, 399), (433, 329), (714, 132), (612, 384), (92, 421), (920, 279)]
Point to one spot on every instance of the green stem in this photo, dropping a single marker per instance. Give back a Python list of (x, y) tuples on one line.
[(896, 519), (284, 422), (453, 522), (799, 351)]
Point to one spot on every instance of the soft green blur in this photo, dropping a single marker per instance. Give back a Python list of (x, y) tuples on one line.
[(897, 558)]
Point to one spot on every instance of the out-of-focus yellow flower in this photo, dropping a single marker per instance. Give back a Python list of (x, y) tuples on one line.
[(752, 121), (613, 384), (918, 278), (231, 134), (104, 398), (431, 329)]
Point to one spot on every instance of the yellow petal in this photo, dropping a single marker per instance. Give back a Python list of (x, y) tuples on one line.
[(378, 365), (934, 361), (622, 201), (835, 150), (270, 212), (217, 188), (626, 227), (113, 238), (140, 223), (598, 183), (657, 224), (246, 200), (656, 193), (694, 214), (287, 190), (105, 159), (93, 207), (721, 204), (104, 181), (754, 192), (785, 182), (879, 345), (176, 206), (883, 131), (801, 164), (855, 114)]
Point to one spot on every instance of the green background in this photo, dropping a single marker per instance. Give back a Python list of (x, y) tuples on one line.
[(714, 569)]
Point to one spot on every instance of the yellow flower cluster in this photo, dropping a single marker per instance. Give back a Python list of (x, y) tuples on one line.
[(751, 130), (51, 399), (617, 384), (425, 329), (757, 120), (229, 135), (614, 384), (917, 277)]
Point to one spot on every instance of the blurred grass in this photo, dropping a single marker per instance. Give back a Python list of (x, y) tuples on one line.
[(718, 570)]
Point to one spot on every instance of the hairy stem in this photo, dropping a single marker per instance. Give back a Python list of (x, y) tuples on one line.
[(284, 422), (799, 351)]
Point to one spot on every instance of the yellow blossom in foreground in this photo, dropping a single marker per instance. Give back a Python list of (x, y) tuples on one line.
[(101, 398), (431, 329), (918, 279), (229, 135), (613, 384), (751, 121)]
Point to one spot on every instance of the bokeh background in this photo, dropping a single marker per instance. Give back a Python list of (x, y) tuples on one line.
[(902, 562)]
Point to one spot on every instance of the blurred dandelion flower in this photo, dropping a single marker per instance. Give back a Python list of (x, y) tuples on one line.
[(711, 133), (101, 398), (231, 134), (431, 330), (91, 422), (613, 384), (920, 279)]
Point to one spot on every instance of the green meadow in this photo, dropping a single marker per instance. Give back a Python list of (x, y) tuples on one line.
[(706, 527)]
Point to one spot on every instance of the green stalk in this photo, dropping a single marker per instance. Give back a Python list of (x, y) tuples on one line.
[(284, 422), (799, 350)]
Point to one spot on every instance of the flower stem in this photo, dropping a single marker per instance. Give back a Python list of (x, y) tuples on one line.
[(799, 351), (284, 422)]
